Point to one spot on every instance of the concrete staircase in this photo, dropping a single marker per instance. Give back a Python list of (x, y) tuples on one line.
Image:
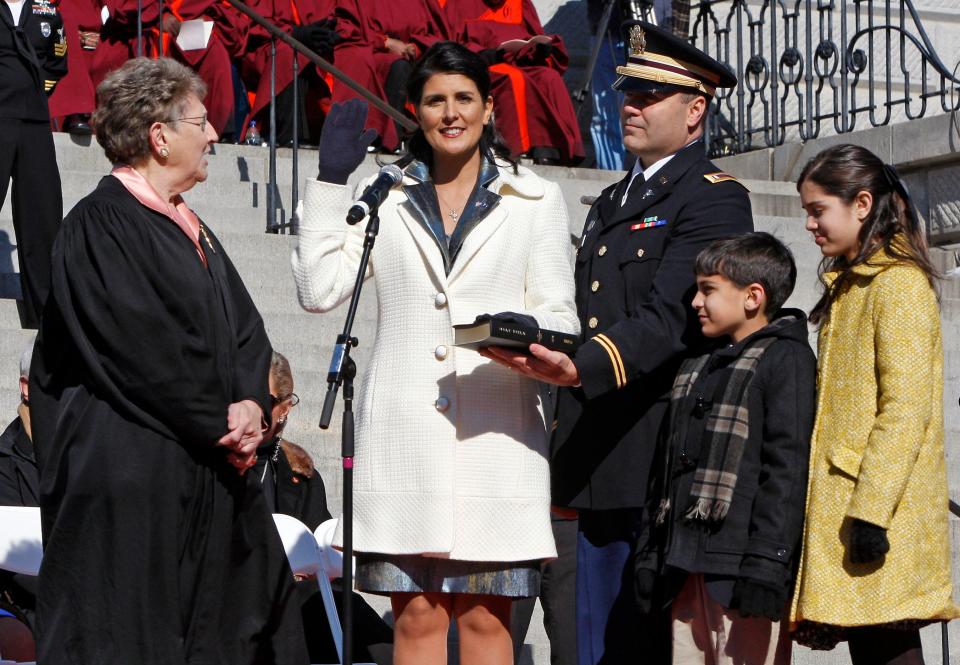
[(232, 203)]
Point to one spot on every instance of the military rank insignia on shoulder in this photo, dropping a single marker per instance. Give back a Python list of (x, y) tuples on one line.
[(720, 176)]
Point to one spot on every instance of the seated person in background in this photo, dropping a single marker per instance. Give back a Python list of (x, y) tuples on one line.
[(118, 43), (19, 486), (293, 487), (73, 100), (531, 102), (399, 33), (335, 31)]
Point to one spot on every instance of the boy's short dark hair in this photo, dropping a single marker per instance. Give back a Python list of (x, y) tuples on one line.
[(752, 258)]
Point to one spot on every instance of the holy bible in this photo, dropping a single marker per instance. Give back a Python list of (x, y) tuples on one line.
[(495, 331)]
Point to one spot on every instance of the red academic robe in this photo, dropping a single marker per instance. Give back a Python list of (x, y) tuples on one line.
[(118, 43), (531, 102), (353, 55), (414, 22), (75, 92)]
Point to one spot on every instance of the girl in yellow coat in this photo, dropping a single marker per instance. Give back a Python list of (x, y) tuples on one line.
[(875, 564)]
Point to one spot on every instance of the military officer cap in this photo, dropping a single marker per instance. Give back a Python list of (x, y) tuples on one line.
[(659, 60)]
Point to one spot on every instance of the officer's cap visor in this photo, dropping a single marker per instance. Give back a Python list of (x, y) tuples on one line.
[(635, 85)]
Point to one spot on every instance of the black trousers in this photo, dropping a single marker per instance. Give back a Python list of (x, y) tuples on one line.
[(27, 155), (558, 594), (882, 645)]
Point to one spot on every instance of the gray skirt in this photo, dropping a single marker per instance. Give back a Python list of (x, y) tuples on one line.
[(412, 573)]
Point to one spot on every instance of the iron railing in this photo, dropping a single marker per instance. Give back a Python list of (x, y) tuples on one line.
[(808, 68), (276, 222), (274, 207)]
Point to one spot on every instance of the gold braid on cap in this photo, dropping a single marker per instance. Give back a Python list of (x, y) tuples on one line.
[(662, 77)]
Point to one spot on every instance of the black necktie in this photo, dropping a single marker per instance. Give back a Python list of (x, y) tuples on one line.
[(635, 186)]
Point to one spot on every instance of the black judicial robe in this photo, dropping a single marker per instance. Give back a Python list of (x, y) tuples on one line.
[(156, 551)]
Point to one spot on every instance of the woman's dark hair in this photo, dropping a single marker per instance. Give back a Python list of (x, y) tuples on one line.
[(453, 58), (844, 171)]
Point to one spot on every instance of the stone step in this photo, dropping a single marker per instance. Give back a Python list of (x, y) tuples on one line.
[(250, 165)]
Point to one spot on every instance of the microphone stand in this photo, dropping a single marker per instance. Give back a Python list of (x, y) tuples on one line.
[(342, 371)]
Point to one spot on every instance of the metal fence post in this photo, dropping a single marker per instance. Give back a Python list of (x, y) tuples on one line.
[(272, 177), (294, 187)]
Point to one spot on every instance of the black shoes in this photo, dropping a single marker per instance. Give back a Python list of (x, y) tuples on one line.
[(78, 125)]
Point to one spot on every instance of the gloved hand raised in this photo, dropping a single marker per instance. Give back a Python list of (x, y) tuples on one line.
[(343, 141), (753, 598), (868, 542)]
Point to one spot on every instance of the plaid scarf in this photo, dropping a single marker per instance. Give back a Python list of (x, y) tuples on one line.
[(725, 434)]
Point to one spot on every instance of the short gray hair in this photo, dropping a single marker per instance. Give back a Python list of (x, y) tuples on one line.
[(26, 357), (130, 99)]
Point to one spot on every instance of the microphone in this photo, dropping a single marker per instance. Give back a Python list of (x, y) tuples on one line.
[(375, 193)]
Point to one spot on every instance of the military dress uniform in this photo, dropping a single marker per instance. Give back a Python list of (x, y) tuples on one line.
[(33, 57), (635, 282)]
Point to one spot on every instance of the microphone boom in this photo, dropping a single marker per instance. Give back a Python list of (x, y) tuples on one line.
[(375, 193)]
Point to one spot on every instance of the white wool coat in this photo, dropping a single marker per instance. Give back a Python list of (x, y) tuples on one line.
[(451, 449)]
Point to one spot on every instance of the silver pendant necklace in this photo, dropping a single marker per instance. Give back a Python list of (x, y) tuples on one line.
[(453, 213)]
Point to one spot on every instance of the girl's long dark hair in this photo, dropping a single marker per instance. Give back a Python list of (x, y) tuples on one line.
[(453, 58), (844, 171)]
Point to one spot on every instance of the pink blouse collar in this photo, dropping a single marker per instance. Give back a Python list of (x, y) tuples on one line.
[(179, 214)]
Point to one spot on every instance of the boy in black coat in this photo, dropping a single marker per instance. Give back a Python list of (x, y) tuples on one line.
[(727, 511)]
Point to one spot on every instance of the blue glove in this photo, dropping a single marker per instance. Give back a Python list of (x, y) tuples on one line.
[(343, 141), (510, 317)]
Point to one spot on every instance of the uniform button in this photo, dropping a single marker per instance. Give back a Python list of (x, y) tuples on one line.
[(602, 250), (594, 286), (593, 323), (640, 253), (440, 352), (781, 553), (440, 300), (442, 404)]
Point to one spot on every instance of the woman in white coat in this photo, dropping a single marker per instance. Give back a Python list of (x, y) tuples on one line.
[(451, 475)]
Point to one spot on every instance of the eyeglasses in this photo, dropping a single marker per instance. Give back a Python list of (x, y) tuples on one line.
[(202, 118), (293, 397)]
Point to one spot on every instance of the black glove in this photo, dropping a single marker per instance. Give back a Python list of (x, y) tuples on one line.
[(753, 598), (510, 317), (868, 542), (490, 56), (343, 141), (320, 37), (543, 51)]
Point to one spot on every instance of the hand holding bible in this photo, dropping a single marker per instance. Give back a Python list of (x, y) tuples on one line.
[(540, 364)]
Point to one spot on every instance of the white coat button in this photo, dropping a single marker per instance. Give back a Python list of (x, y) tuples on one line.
[(593, 322), (602, 250), (442, 404), (440, 352), (440, 300)]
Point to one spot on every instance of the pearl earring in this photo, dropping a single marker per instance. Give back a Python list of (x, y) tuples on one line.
[(164, 153)]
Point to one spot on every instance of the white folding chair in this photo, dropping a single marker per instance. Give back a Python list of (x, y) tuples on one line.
[(331, 557), (307, 557), (21, 544)]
